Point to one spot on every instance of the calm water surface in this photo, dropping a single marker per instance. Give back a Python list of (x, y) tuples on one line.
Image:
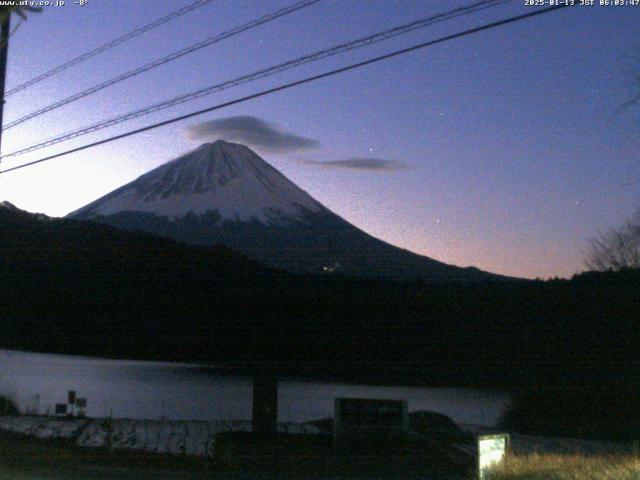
[(134, 389)]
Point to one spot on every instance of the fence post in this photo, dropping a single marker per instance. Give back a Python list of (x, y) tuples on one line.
[(109, 427)]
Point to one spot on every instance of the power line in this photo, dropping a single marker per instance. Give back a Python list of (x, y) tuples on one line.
[(295, 84), (109, 45), (344, 47), (164, 60)]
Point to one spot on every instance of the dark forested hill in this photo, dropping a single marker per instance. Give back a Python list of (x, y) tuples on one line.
[(79, 287)]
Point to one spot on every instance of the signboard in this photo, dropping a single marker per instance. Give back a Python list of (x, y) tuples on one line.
[(61, 408), (81, 404), (492, 450), (371, 413), (361, 421), (72, 397)]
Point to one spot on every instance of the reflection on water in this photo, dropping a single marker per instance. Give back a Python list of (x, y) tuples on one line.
[(133, 389)]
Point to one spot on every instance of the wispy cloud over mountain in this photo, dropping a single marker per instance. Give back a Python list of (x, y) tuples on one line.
[(253, 132), (266, 136), (360, 163)]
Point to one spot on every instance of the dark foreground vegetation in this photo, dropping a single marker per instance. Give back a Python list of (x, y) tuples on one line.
[(81, 288), (27, 458), (567, 467), (579, 410)]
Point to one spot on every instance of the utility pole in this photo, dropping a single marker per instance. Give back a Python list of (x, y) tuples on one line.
[(4, 48)]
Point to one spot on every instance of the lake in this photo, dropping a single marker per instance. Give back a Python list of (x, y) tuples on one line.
[(154, 390)]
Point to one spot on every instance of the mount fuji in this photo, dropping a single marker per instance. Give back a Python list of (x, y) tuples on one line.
[(225, 193)]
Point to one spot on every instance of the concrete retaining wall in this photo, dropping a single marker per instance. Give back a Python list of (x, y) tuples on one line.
[(155, 436)]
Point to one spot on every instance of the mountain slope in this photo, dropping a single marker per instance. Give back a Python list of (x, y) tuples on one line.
[(53, 251), (225, 193), (225, 177)]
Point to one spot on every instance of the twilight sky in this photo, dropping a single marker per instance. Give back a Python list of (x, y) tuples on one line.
[(505, 150)]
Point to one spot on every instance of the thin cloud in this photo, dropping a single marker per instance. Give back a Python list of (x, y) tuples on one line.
[(360, 163), (251, 131)]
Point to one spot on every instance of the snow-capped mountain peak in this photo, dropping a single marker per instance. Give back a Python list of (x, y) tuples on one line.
[(225, 177), (223, 193)]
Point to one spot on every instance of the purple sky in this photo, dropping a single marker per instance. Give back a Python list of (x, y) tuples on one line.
[(508, 149)]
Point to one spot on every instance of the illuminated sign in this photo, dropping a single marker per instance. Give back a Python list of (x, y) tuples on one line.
[(492, 450)]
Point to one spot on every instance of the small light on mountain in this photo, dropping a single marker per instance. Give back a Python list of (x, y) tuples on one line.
[(331, 268)]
